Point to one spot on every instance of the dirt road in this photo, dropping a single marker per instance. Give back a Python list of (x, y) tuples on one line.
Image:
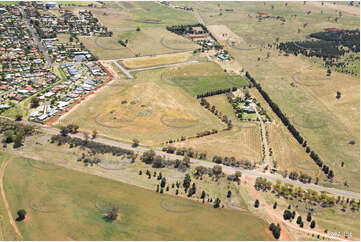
[(6, 204)]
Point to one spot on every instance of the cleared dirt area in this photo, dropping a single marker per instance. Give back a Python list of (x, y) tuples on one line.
[(130, 109), (154, 61), (224, 34)]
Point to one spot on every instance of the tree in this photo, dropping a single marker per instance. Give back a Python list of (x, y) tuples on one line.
[(275, 205), (328, 72), (86, 136), (138, 29), (276, 230), (18, 141), (338, 94), (313, 224), (140, 172), (158, 162), (216, 203), (229, 194), (113, 213), (256, 204), (287, 215), (21, 215), (135, 143), (94, 135), (192, 190), (18, 117), (203, 195), (309, 217), (330, 174), (299, 219), (217, 170), (34, 102), (187, 182), (148, 156), (163, 182)]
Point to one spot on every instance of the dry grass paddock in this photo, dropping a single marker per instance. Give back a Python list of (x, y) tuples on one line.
[(157, 60), (128, 109)]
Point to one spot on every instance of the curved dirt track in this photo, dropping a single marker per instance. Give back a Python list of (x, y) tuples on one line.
[(6, 204)]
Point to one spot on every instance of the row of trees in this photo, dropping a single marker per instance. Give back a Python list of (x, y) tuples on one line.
[(301, 177), (289, 191), (227, 161), (149, 157), (185, 152), (187, 29), (216, 92), (290, 127), (213, 109), (94, 147)]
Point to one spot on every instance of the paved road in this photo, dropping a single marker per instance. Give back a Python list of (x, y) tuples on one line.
[(35, 36), (196, 162), (125, 71), (163, 66)]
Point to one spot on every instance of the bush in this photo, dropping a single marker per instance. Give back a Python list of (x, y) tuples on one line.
[(21, 215), (256, 204)]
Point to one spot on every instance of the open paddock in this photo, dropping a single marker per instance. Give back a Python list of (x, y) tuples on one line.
[(132, 110), (78, 212), (155, 61), (158, 41)]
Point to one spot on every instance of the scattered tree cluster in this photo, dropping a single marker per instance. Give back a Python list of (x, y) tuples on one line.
[(276, 230), (330, 46), (149, 157), (14, 132)]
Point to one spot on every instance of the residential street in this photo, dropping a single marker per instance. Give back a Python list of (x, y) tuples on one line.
[(36, 37)]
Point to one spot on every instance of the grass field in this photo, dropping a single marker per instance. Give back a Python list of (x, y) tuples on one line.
[(202, 77), (242, 142), (157, 60), (135, 112), (159, 41), (78, 204), (151, 18)]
